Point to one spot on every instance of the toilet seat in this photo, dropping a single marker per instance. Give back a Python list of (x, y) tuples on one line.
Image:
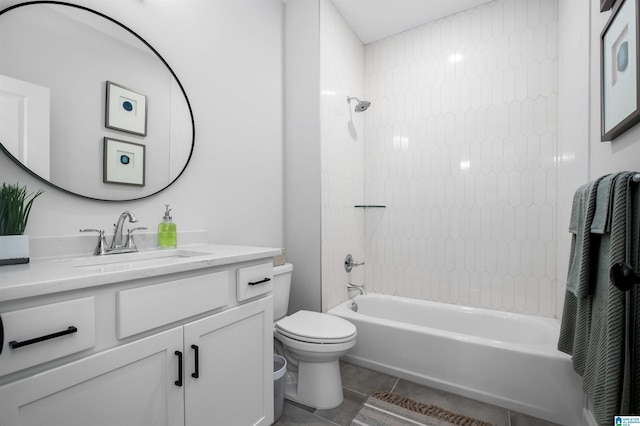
[(315, 327)]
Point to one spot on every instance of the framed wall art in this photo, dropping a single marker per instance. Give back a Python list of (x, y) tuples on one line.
[(606, 5), (123, 162), (126, 110), (619, 71)]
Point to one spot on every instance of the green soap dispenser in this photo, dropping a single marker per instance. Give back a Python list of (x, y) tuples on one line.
[(167, 236)]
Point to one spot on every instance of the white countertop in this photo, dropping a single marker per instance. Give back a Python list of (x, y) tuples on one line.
[(52, 275)]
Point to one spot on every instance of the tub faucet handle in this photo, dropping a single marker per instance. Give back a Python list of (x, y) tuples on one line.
[(349, 263)]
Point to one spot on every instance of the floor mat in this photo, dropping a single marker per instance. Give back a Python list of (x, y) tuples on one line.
[(387, 409)]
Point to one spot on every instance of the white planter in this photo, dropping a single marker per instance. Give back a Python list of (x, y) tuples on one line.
[(14, 249)]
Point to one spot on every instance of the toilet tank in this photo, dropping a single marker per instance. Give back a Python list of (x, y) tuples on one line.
[(281, 288)]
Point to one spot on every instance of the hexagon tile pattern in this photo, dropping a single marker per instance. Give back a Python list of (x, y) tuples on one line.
[(460, 145)]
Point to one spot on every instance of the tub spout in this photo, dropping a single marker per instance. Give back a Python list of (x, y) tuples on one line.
[(360, 288)]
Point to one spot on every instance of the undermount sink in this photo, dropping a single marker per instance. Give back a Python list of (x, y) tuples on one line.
[(138, 259)]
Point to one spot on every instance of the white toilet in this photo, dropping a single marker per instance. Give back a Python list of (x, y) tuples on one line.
[(312, 343)]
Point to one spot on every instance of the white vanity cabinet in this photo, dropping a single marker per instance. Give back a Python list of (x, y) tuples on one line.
[(235, 356), (127, 385), (156, 380), (205, 359)]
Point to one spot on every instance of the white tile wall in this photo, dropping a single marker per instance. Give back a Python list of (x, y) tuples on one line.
[(461, 146), (342, 153)]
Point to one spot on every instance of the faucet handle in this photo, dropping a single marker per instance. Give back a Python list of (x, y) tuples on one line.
[(129, 242), (349, 263), (90, 230), (101, 247)]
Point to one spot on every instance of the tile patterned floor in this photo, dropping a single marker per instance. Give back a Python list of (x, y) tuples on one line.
[(358, 382)]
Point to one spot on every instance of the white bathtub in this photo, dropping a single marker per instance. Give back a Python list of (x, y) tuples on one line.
[(500, 358)]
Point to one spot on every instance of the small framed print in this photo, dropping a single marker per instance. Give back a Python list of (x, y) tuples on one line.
[(123, 162), (619, 63), (126, 110)]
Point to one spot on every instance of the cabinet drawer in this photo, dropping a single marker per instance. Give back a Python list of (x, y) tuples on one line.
[(145, 308), (43, 333), (254, 281)]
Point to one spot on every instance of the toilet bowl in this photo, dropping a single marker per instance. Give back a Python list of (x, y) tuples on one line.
[(312, 343)]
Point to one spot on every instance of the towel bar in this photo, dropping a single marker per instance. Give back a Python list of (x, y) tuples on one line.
[(623, 277)]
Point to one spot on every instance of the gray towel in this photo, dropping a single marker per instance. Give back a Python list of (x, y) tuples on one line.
[(584, 202), (608, 382), (604, 203), (577, 208), (576, 315), (599, 327)]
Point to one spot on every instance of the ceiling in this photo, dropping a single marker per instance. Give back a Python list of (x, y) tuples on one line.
[(373, 20)]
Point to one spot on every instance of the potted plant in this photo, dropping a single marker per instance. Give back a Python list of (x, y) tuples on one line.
[(15, 206)]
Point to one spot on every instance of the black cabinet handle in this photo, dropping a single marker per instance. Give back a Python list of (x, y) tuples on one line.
[(260, 282), (1, 335), (179, 381), (15, 345), (196, 373)]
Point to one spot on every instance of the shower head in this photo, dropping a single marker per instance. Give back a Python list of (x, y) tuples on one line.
[(360, 106)]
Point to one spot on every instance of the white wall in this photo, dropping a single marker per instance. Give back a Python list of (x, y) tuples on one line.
[(324, 168), (302, 153), (228, 54), (342, 146), (461, 148), (582, 157), (573, 124)]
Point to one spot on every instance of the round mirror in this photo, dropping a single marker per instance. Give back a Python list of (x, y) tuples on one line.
[(87, 105)]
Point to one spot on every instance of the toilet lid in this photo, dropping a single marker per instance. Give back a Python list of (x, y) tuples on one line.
[(316, 327)]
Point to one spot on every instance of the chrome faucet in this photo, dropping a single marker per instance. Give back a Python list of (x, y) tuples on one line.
[(116, 245), (116, 241), (360, 288)]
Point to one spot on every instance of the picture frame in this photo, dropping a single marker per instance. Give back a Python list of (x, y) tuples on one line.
[(123, 162), (126, 110), (619, 65), (606, 5)]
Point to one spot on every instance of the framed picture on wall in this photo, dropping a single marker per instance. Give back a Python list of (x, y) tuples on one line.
[(619, 66), (606, 5), (126, 110), (123, 162)]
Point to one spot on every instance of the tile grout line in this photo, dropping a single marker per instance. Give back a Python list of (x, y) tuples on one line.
[(354, 391)]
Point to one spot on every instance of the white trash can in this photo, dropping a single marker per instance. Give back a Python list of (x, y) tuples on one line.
[(279, 368)]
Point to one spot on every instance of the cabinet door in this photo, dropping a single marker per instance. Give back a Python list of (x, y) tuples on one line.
[(131, 385), (235, 369)]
